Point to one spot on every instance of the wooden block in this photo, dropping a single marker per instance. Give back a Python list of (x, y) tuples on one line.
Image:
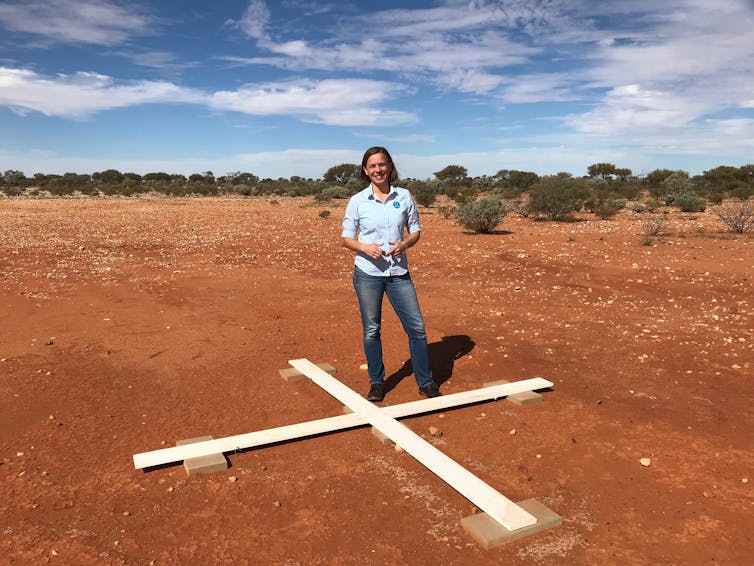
[(292, 374), (526, 398), (203, 464), (489, 533), (520, 399)]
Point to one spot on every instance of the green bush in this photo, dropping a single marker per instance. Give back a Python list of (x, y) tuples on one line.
[(638, 207), (425, 197), (481, 216), (608, 208), (336, 191), (690, 203), (557, 197)]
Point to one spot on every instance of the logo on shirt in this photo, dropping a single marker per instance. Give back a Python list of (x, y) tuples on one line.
[(396, 204)]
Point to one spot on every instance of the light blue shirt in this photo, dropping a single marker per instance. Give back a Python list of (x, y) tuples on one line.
[(386, 222)]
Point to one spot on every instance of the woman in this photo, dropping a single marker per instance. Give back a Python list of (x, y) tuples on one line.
[(387, 223)]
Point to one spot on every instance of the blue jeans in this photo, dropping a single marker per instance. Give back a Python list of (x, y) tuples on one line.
[(401, 293)]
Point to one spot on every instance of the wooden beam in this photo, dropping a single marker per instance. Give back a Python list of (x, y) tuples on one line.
[(492, 502), (331, 424)]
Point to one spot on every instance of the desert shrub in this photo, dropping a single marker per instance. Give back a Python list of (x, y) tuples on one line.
[(481, 216), (608, 208), (324, 214), (653, 205), (737, 215), (13, 191), (743, 192), (518, 206), (638, 207), (690, 203), (446, 210), (336, 191), (425, 197), (557, 197), (461, 194), (655, 226)]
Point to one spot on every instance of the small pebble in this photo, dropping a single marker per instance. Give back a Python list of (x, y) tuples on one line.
[(126, 513), (645, 462), (512, 431), (232, 479), (398, 448), (744, 480), (434, 431)]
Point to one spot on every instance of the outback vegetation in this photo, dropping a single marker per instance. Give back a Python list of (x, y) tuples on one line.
[(604, 191)]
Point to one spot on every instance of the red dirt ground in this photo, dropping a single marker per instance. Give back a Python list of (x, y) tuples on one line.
[(130, 324)]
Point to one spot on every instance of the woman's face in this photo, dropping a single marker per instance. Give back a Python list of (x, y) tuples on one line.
[(378, 169)]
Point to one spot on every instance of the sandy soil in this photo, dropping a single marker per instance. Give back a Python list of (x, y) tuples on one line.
[(128, 325)]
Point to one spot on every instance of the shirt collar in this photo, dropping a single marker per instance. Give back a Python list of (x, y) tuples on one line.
[(391, 194)]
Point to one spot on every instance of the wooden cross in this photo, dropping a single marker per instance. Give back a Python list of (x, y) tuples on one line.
[(501, 509)]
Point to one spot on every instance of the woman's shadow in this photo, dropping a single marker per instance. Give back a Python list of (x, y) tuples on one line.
[(442, 357)]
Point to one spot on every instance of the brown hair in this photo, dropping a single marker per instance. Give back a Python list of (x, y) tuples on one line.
[(369, 153)]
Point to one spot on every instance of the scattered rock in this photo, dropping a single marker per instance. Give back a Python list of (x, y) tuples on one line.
[(646, 462), (126, 513), (232, 479), (512, 432), (434, 431), (277, 504)]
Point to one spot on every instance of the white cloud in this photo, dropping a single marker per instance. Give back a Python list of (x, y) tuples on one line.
[(82, 93), (542, 87), (631, 109), (254, 20), (98, 22), (341, 102), (408, 42)]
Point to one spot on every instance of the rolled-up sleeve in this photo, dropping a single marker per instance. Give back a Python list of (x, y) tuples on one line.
[(412, 216), (351, 220)]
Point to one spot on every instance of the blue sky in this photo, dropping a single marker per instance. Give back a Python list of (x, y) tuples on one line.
[(297, 86)]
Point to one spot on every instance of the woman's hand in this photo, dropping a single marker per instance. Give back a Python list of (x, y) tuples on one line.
[(373, 250), (397, 249)]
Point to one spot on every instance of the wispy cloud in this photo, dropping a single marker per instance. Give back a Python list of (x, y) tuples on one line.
[(254, 20), (81, 94), (341, 102), (163, 60), (98, 22)]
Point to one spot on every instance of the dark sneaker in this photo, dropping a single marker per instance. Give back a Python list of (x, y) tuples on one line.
[(430, 390), (376, 392)]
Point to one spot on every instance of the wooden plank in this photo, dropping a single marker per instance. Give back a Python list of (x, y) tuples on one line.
[(331, 424), (492, 502)]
